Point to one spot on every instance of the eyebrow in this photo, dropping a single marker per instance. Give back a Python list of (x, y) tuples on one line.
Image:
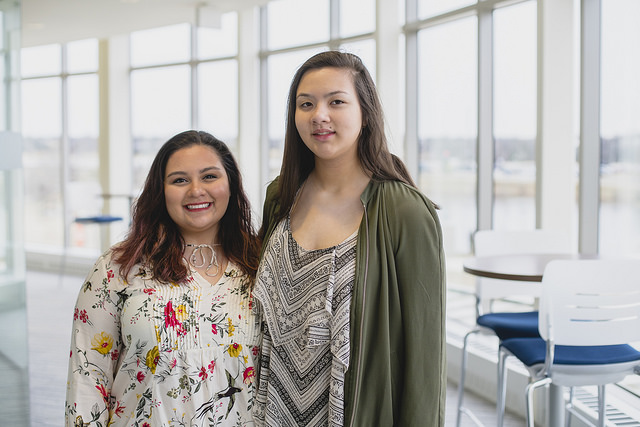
[(335, 92), (207, 169)]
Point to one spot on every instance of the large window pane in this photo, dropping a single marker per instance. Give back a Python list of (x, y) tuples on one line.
[(515, 116), (219, 42), (5, 105), (357, 17), (297, 22), (83, 192), (41, 60), (620, 130), (160, 108), (161, 45), (620, 136), (281, 69), (42, 129), (82, 56), (218, 100), (429, 8), (447, 129)]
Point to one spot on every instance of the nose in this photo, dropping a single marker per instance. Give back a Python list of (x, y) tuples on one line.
[(196, 188), (320, 114)]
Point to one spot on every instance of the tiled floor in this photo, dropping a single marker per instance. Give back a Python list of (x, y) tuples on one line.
[(50, 306)]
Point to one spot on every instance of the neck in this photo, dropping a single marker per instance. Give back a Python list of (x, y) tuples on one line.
[(338, 175), (208, 237)]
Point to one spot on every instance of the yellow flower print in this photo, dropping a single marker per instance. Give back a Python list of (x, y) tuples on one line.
[(102, 343), (231, 327), (181, 313), (152, 358), (234, 350)]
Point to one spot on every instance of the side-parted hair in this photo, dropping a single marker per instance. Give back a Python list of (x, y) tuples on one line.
[(375, 158), (154, 240)]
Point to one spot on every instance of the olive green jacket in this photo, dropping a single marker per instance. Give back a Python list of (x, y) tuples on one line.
[(397, 371)]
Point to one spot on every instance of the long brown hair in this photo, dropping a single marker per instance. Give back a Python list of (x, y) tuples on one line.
[(376, 159), (154, 239)]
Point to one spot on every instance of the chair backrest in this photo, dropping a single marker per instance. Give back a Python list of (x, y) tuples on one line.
[(591, 302), (502, 242)]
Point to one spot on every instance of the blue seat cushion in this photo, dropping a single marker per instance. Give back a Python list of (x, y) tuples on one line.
[(511, 325), (531, 351), (98, 219)]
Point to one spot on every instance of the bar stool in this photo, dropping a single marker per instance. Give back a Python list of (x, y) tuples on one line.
[(101, 220)]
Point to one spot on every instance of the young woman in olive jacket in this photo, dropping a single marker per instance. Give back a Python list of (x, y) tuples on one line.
[(352, 276)]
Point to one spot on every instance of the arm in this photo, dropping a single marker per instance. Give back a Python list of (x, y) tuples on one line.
[(420, 267), (96, 346)]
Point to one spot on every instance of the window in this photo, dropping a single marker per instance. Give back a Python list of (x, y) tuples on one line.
[(357, 17), (620, 136), (447, 126), (42, 133), (60, 130), (450, 91), (284, 32), (620, 129), (514, 174), (429, 8)]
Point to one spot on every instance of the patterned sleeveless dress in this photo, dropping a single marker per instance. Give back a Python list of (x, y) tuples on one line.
[(305, 298)]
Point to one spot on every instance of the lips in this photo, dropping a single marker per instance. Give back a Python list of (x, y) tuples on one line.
[(198, 206), (323, 132)]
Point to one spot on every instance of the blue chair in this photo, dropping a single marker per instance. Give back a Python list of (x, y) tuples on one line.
[(589, 315), (506, 325)]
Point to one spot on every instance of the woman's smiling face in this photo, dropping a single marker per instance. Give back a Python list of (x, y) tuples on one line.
[(196, 190)]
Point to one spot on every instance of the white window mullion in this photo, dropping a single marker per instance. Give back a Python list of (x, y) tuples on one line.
[(485, 148), (411, 155), (589, 155)]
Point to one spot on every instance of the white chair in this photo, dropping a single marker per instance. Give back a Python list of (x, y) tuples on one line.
[(589, 314), (506, 325)]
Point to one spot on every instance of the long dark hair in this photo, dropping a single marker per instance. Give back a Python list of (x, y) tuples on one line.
[(375, 158), (154, 239)]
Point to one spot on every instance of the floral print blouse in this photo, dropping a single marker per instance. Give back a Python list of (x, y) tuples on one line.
[(147, 354)]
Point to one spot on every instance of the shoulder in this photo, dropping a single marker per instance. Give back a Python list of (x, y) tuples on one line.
[(404, 211), (271, 200), (107, 272), (272, 189), (401, 198)]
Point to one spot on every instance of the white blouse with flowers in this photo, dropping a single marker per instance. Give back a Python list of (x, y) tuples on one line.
[(148, 354)]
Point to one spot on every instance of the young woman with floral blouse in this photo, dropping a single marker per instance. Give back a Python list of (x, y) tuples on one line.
[(164, 331)]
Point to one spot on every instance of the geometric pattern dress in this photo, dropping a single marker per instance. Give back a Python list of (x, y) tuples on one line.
[(305, 298)]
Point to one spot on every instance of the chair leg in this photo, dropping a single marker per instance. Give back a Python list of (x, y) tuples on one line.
[(463, 372), (602, 415), (502, 386), (529, 395), (569, 406)]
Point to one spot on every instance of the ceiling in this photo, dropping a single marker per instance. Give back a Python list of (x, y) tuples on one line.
[(59, 21)]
